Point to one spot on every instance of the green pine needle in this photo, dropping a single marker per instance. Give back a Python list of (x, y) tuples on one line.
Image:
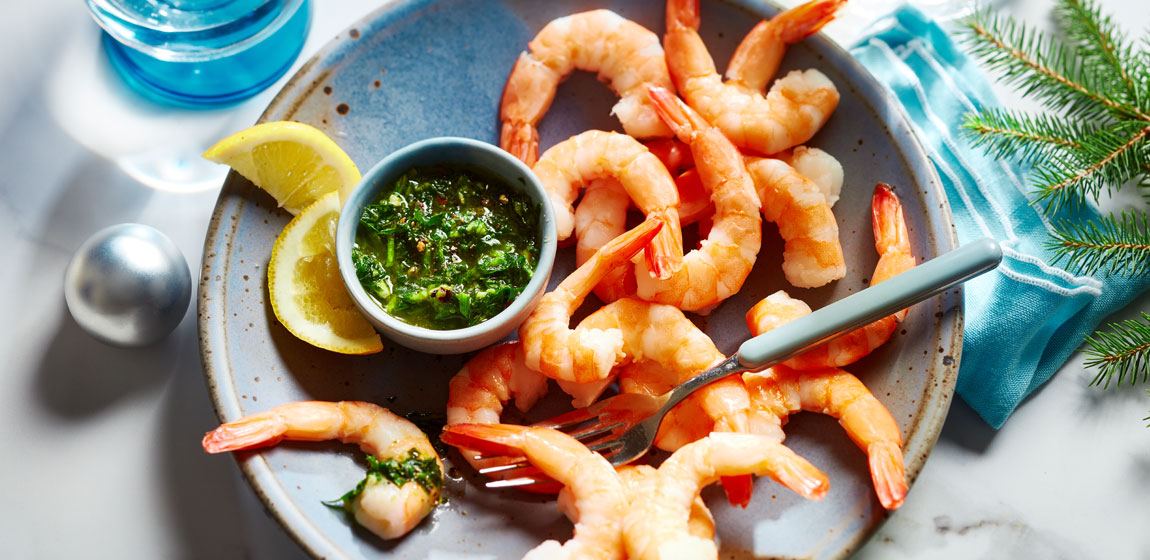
[(1045, 68), (1102, 47), (1005, 133), (1105, 160), (1095, 140), (1112, 245), (1124, 350)]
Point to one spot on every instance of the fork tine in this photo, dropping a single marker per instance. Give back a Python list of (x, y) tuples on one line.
[(519, 482), (489, 471), (593, 433), (569, 419), (613, 444)]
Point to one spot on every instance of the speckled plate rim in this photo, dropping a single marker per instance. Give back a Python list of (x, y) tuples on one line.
[(921, 435)]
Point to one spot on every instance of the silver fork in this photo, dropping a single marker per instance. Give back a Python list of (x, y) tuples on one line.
[(622, 428)]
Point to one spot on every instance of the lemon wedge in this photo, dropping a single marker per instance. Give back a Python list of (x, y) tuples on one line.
[(295, 163), (307, 294)]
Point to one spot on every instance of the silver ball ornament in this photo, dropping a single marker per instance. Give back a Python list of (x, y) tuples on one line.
[(128, 285)]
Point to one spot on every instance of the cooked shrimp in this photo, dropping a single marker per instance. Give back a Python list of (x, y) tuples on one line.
[(794, 109), (812, 255), (674, 350), (893, 245), (624, 53), (386, 508), (756, 60), (782, 391), (601, 216), (640, 480), (718, 268), (820, 167), (571, 164), (549, 344), (599, 503), (662, 334), (657, 524), (478, 393)]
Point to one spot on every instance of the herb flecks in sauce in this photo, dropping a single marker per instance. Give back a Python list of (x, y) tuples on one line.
[(447, 248), (423, 470)]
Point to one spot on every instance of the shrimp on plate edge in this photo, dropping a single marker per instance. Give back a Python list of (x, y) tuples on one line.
[(892, 241), (388, 509), (794, 109)]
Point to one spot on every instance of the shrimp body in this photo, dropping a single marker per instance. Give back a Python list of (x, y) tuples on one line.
[(782, 391), (812, 255), (718, 268), (625, 54), (812, 163), (600, 217), (640, 480), (663, 335), (550, 346), (573, 163), (664, 348), (478, 393), (794, 109), (823, 169), (895, 256), (596, 499), (657, 523), (384, 508), (756, 60)]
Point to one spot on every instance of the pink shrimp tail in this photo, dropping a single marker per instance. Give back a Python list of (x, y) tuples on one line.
[(889, 226), (495, 439), (802, 477), (806, 19), (683, 13), (739, 489), (887, 473), (520, 140), (891, 239), (630, 243), (680, 117), (252, 432)]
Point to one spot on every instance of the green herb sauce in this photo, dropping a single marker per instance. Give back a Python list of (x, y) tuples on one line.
[(446, 248), (424, 471)]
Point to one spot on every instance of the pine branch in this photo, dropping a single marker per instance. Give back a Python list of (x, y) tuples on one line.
[(1100, 44), (1111, 245), (1004, 133), (1124, 350), (1109, 158), (1043, 67)]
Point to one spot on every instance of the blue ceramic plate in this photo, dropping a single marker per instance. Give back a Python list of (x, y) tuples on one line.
[(418, 69)]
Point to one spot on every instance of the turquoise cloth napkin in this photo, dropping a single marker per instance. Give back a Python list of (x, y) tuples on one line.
[(1024, 319)]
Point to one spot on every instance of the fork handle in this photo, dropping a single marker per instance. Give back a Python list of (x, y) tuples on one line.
[(900, 291), (841, 317)]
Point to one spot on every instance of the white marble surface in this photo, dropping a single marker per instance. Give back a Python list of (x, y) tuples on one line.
[(100, 446)]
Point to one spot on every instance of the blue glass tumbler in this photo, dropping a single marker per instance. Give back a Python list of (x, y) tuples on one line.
[(202, 52)]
